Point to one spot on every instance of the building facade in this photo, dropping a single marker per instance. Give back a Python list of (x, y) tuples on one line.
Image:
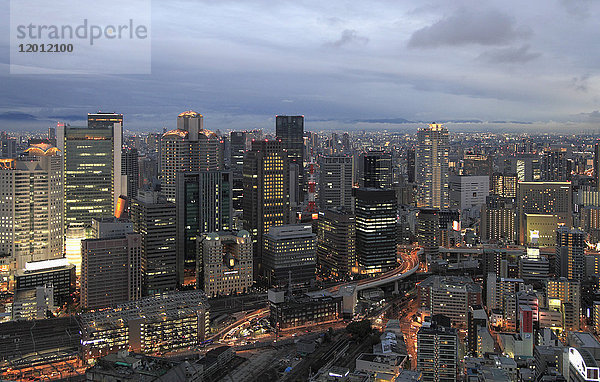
[(432, 166), (93, 179), (153, 218), (289, 130), (378, 169), (336, 243), (190, 147), (335, 182), (111, 270), (31, 209), (225, 263), (266, 193), (376, 231), (204, 204), (290, 255)]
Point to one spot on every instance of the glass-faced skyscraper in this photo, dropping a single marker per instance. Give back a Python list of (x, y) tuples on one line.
[(92, 167), (432, 166), (289, 129), (204, 205), (378, 169), (376, 232)]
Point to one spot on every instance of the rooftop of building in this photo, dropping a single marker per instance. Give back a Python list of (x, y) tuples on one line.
[(583, 340), (139, 367), (150, 309), (408, 376), (382, 358), (458, 283), (42, 149), (190, 114)]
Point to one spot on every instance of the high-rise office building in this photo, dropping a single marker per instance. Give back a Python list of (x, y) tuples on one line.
[(290, 131), (555, 165), (376, 231), (225, 263), (112, 269), (477, 318), (336, 243), (428, 230), (153, 218), (498, 219), (130, 168), (467, 192), (437, 353), (203, 206), (533, 267), (93, 179), (451, 296), (476, 165), (432, 166), (290, 254), (378, 170), (266, 192), (538, 200), (238, 149), (335, 182), (8, 146), (410, 165), (190, 147), (504, 185), (55, 272), (570, 254), (565, 295), (31, 209)]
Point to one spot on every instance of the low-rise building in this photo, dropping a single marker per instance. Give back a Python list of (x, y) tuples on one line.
[(451, 296), (153, 324), (130, 367), (303, 310), (379, 363)]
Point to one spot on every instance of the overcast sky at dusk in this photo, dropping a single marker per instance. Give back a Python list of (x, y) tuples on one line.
[(240, 62)]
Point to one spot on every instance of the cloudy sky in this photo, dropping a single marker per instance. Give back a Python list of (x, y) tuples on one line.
[(342, 64)]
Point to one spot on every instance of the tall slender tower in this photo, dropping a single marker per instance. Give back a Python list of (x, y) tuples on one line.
[(131, 170), (188, 148), (93, 180), (432, 166), (570, 256), (266, 192), (289, 129), (238, 149)]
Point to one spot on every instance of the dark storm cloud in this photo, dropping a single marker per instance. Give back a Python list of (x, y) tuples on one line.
[(348, 37), (510, 55), (467, 26)]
